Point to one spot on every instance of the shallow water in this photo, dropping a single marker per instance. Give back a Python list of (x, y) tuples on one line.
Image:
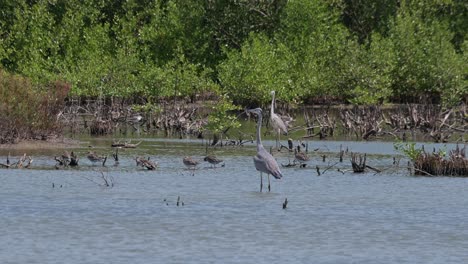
[(67, 216)]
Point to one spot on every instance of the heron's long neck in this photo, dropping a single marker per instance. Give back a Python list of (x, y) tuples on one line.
[(272, 104), (259, 125)]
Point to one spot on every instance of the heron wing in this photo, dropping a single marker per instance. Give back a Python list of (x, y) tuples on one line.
[(266, 163), (278, 123)]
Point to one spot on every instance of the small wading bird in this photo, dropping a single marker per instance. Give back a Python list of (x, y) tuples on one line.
[(276, 122), (300, 156), (190, 163), (146, 163), (66, 157), (213, 160), (264, 161), (93, 157)]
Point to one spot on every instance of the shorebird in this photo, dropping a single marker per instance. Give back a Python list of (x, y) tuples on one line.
[(190, 162), (300, 156), (213, 160), (146, 163), (93, 157), (276, 122), (264, 161), (66, 157)]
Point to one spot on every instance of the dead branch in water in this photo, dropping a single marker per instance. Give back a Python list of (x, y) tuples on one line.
[(364, 122), (125, 144), (436, 164), (358, 167), (24, 162)]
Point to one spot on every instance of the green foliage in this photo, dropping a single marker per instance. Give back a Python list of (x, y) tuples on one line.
[(149, 107), (177, 78), (251, 74), (232, 22), (365, 17), (368, 72), (222, 117), (363, 51), (408, 149), (426, 62), (27, 111), (315, 37)]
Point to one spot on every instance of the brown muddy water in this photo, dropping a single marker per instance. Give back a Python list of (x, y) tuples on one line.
[(69, 216)]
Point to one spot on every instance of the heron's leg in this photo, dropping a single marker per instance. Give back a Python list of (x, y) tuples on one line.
[(277, 138), (261, 182), (269, 189)]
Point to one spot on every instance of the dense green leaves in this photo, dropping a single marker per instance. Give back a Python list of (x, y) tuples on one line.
[(361, 51), (260, 67)]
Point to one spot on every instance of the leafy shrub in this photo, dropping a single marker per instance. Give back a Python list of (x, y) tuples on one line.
[(427, 65), (408, 149), (27, 111), (222, 117), (248, 76)]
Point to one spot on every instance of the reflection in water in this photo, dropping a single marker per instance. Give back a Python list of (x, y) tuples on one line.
[(68, 216)]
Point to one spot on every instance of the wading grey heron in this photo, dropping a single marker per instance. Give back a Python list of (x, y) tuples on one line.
[(276, 122), (264, 161)]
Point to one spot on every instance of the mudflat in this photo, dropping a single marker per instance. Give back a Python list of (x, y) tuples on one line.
[(42, 144)]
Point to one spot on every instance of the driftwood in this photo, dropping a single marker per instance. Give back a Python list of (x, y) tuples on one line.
[(110, 115), (101, 127), (364, 122), (432, 120), (116, 157), (374, 169), (125, 145), (24, 162), (293, 164), (325, 123), (435, 164), (358, 167)]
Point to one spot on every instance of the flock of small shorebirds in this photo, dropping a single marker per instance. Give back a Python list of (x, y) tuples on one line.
[(189, 162), (264, 162)]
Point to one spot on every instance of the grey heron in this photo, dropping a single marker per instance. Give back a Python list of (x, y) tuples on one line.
[(264, 161), (276, 122)]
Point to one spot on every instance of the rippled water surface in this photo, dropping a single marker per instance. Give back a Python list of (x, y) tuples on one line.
[(68, 216)]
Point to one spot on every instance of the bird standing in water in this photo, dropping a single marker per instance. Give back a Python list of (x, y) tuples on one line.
[(264, 162), (190, 162), (300, 156), (276, 122), (93, 157), (213, 160)]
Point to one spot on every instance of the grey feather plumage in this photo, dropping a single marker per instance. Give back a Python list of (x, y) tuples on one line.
[(276, 121), (264, 162)]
